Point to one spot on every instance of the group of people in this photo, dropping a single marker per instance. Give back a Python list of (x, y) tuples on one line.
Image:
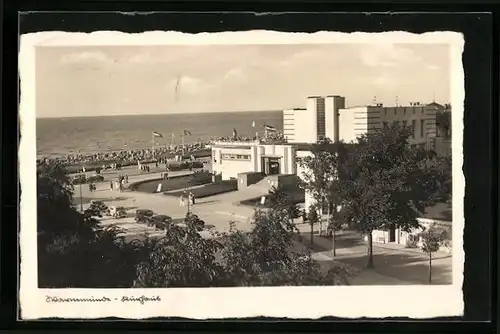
[(143, 168), (108, 159), (187, 198), (272, 136), (119, 185)]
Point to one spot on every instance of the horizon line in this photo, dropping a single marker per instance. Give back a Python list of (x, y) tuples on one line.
[(160, 114)]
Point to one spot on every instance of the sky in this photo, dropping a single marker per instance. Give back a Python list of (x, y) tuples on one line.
[(125, 80)]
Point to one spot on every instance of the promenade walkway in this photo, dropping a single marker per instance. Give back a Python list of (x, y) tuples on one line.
[(214, 210), (394, 265)]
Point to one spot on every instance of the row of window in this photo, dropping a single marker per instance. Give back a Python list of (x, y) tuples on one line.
[(226, 156), (404, 110), (413, 126)]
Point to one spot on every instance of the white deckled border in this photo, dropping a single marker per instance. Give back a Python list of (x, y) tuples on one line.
[(284, 302)]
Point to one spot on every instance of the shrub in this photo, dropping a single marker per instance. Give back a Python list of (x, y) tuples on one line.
[(184, 165), (200, 177), (411, 242)]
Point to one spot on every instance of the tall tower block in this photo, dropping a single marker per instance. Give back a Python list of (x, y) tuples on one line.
[(333, 103)]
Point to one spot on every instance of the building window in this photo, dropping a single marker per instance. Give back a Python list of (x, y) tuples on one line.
[(227, 156), (386, 125), (385, 111), (422, 124), (413, 128), (395, 111)]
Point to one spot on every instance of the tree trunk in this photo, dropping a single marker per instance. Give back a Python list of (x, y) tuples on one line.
[(370, 250), (328, 215), (312, 232), (430, 267), (334, 251), (332, 226), (321, 218)]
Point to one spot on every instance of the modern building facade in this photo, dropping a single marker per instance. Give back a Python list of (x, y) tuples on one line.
[(298, 126), (328, 117), (317, 121), (229, 158), (421, 119)]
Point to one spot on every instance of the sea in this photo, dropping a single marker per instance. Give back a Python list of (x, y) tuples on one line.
[(70, 135)]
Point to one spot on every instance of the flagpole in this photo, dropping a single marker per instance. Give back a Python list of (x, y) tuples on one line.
[(182, 137), (153, 143)]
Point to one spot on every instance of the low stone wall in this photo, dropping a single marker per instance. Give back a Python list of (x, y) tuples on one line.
[(285, 181), (133, 186), (248, 178)]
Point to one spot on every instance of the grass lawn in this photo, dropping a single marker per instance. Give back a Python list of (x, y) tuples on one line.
[(210, 189), (171, 184), (296, 195)]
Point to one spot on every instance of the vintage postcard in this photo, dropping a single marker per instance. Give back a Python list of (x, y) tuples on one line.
[(241, 174)]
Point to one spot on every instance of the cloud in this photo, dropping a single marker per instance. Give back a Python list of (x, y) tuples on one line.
[(388, 55), (235, 74), (87, 56), (307, 56)]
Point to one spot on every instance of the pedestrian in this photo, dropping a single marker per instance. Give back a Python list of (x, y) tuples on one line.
[(111, 185)]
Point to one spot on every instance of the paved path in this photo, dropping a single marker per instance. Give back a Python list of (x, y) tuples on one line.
[(397, 263), (214, 210), (393, 265)]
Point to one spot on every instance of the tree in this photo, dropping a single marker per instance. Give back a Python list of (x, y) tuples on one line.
[(312, 218), (265, 257), (73, 249), (386, 183), (283, 203), (76, 251), (321, 179), (180, 258), (432, 239)]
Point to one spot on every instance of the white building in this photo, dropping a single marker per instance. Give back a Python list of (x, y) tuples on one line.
[(438, 215), (355, 121), (318, 120), (328, 117), (229, 158)]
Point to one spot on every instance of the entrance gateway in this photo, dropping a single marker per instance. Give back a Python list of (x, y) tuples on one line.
[(271, 165)]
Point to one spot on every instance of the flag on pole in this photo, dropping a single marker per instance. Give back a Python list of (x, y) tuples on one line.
[(186, 133), (157, 134), (253, 124), (269, 128)]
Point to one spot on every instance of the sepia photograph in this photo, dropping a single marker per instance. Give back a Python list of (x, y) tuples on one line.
[(262, 161)]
